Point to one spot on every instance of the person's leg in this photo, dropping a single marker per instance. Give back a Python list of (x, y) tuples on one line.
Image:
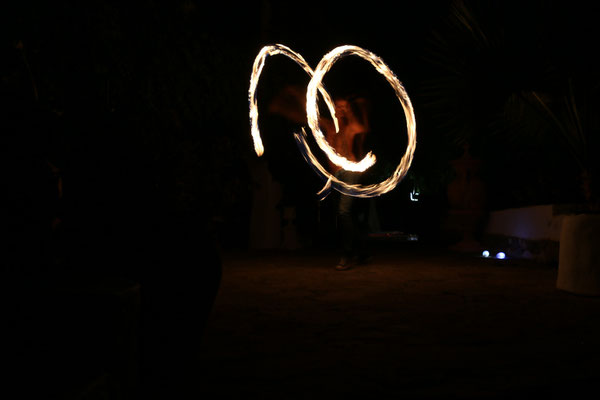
[(346, 225), (361, 211), (347, 222)]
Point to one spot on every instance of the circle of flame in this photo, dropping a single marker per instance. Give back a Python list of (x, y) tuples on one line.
[(356, 190), (259, 63)]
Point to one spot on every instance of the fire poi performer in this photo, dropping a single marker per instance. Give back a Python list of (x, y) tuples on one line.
[(352, 114), (353, 119), (350, 134)]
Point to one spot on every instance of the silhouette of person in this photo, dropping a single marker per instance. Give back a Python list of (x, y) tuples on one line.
[(352, 113)]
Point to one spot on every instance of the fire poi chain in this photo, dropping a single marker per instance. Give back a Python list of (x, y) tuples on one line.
[(312, 112)]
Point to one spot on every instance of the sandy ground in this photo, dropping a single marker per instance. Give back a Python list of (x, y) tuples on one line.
[(417, 322)]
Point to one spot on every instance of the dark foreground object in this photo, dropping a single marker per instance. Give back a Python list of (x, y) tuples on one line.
[(98, 332), (414, 323)]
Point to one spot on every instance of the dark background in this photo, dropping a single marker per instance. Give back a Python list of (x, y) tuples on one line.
[(141, 109), (147, 101)]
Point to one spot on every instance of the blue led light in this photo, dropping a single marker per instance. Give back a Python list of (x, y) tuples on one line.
[(501, 255), (485, 253)]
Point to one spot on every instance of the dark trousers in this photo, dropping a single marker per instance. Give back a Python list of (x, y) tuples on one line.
[(352, 219)]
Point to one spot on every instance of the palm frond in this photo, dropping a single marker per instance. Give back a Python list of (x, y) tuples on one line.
[(569, 128)]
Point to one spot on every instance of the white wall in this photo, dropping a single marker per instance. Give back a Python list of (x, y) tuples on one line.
[(532, 223)]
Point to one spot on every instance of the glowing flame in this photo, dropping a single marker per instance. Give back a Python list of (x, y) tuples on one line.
[(259, 63), (312, 113)]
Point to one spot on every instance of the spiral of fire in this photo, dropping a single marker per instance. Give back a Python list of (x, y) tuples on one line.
[(312, 112)]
